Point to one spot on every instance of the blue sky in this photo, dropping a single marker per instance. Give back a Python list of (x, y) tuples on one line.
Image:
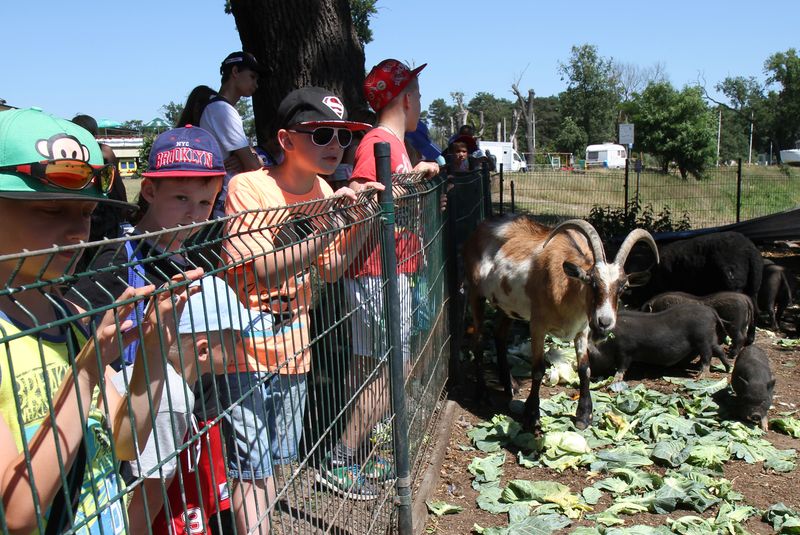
[(123, 60)]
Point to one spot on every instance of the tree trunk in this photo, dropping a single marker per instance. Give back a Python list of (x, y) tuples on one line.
[(300, 43)]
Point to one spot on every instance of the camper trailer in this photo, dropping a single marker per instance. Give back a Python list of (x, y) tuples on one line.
[(608, 155)]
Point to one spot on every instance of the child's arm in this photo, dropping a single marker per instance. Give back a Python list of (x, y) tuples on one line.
[(132, 414), (71, 406), (348, 243)]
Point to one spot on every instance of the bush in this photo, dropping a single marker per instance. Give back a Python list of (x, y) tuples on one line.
[(611, 222)]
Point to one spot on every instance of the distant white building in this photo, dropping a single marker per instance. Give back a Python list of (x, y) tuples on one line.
[(126, 149)]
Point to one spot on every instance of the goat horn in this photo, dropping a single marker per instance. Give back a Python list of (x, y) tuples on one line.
[(587, 230), (631, 239)]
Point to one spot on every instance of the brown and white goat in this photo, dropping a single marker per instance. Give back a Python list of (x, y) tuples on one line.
[(559, 280)]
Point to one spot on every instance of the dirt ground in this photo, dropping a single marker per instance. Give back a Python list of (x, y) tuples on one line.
[(759, 487)]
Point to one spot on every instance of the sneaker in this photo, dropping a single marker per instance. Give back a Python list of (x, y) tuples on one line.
[(346, 480), (378, 469)]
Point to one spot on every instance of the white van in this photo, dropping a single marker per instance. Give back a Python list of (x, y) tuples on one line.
[(504, 153), (608, 155)]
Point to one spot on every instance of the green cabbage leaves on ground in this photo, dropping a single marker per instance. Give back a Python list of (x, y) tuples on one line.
[(646, 452)]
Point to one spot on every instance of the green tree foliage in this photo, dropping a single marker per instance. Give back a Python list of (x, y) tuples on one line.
[(494, 111), (675, 126), (548, 123), (438, 119), (133, 124), (362, 11), (245, 109), (172, 111), (783, 70), (571, 137), (592, 93), (746, 105)]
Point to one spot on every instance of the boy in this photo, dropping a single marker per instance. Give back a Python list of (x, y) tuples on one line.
[(239, 80), (392, 90), (272, 276), (458, 158), (184, 176), (208, 336), (51, 178)]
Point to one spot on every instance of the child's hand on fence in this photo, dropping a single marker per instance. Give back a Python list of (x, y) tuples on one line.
[(111, 328), (164, 309), (361, 184), (429, 169), (345, 193)]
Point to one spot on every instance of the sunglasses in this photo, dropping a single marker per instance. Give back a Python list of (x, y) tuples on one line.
[(323, 135), (67, 174)]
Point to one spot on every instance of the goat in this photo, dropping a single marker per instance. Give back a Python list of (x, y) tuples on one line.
[(566, 289)]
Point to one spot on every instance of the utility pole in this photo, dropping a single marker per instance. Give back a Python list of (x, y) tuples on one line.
[(750, 150), (532, 126), (719, 134)]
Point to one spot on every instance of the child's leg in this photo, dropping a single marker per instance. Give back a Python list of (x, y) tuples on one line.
[(150, 491), (251, 498), (249, 427)]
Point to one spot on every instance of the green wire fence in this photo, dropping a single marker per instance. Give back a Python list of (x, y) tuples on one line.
[(362, 295)]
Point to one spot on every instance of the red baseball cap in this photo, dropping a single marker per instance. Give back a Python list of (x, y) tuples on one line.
[(386, 80)]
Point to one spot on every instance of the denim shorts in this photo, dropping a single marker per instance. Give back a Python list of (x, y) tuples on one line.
[(263, 421)]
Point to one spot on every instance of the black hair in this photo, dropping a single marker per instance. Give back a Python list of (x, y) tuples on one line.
[(196, 103), (86, 122)]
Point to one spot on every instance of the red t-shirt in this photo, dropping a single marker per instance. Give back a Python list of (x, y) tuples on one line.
[(408, 246)]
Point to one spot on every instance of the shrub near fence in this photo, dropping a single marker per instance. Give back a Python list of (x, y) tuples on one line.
[(301, 506), (710, 201)]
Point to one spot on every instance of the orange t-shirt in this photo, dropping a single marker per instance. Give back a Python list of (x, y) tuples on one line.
[(268, 232)]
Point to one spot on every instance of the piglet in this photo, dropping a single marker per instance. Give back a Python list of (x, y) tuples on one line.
[(753, 383)]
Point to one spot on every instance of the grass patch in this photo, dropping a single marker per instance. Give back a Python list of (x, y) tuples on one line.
[(132, 187)]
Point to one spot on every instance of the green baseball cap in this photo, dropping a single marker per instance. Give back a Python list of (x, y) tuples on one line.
[(29, 136)]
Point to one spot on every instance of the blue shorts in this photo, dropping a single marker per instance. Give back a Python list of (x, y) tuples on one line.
[(263, 421)]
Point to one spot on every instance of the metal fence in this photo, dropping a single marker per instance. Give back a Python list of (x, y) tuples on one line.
[(725, 194), (376, 349)]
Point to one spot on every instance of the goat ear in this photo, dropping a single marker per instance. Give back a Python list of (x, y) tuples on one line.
[(640, 278), (575, 272), (771, 384)]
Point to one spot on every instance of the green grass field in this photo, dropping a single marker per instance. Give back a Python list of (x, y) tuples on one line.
[(132, 186), (711, 201)]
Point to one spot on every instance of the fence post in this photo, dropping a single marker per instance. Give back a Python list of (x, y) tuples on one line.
[(738, 189), (487, 190), (501, 189), (393, 321), (627, 169), (513, 201)]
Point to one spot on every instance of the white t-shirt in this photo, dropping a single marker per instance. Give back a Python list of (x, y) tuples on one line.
[(168, 437), (223, 122)]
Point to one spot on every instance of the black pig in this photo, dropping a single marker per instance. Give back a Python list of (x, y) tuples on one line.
[(775, 293), (662, 338), (753, 383), (735, 310)]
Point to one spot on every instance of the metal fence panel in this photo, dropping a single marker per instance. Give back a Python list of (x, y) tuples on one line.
[(346, 392), (710, 201)]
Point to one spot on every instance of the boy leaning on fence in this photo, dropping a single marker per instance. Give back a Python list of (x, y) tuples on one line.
[(208, 336), (284, 228), (183, 178), (56, 457), (392, 90)]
